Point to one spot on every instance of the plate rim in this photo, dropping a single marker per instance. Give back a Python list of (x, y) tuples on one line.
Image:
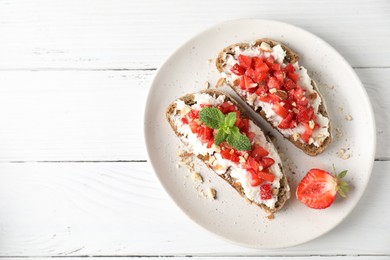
[(346, 64)]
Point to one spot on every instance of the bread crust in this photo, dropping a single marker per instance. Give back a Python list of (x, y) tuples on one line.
[(283, 192), (291, 57)]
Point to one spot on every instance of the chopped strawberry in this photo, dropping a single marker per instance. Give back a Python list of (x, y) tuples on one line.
[(275, 67), (237, 69), (235, 158), (249, 72), (251, 136), (263, 68), (259, 75), (266, 162), (287, 122), (193, 114), (305, 114), (273, 83), (249, 83), (280, 110), (293, 76), (270, 98), (184, 120), (308, 131), (205, 105), (270, 60), (242, 124), (318, 188), (210, 142), (194, 127), (279, 75), (205, 133), (266, 176), (226, 108), (257, 62), (242, 83), (290, 68), (225, 154), (289, 84), (244, 61), (262, 90), (253, 163), (265, 192), (258, 152), (253, 178)]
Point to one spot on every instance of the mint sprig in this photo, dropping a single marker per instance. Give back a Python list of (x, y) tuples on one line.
[(214, 118)]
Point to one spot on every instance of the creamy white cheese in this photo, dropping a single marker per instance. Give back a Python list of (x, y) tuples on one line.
[(220, 165), (304, 81)]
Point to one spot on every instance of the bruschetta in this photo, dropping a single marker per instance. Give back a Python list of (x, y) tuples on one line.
[(218, 131), (267, 76)]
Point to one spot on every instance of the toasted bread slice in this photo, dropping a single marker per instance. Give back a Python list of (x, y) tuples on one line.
[(227, 170), (321, 137)]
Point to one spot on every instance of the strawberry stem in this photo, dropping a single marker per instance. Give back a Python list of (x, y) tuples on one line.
[(342, 186)]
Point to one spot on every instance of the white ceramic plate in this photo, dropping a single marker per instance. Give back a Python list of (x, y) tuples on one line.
[(230, 216)]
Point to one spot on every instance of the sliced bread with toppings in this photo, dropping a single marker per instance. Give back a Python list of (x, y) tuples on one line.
[(219, 132), (267, 76)]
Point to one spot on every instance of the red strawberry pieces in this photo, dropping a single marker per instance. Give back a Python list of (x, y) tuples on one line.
[(267, 78)]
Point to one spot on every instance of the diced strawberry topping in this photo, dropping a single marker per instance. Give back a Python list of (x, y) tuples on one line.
[(194, 127), (244, 61), (293, 76), (266, 176), (184, 120), (237, 69), (226, 108), (287, 122), (308, 131), (273, 82), (251, 136), (266, 162), (193, 114), (258, 152), (280, 110), (253, 178), (265, 192)]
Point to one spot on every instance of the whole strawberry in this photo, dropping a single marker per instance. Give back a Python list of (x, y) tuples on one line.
[(318, 188)]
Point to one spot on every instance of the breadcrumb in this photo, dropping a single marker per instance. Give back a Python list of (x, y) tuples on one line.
[(207, 85), (344, 154), (348, 118), (212, 193), (197, 177)]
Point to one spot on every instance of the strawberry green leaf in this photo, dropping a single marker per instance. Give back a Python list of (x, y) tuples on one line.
[(212, 117), (342, 174), (342, 193)]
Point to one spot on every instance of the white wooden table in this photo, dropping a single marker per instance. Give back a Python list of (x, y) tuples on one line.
[(74, 75)]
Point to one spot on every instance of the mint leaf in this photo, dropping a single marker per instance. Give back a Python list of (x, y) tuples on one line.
[(220, 137), (212, 117), (230, 119), (238, 140)]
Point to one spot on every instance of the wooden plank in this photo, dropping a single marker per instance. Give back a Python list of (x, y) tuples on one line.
[(120, 209), (349, 257), (133, 34), (78, 115), (97, 115)]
